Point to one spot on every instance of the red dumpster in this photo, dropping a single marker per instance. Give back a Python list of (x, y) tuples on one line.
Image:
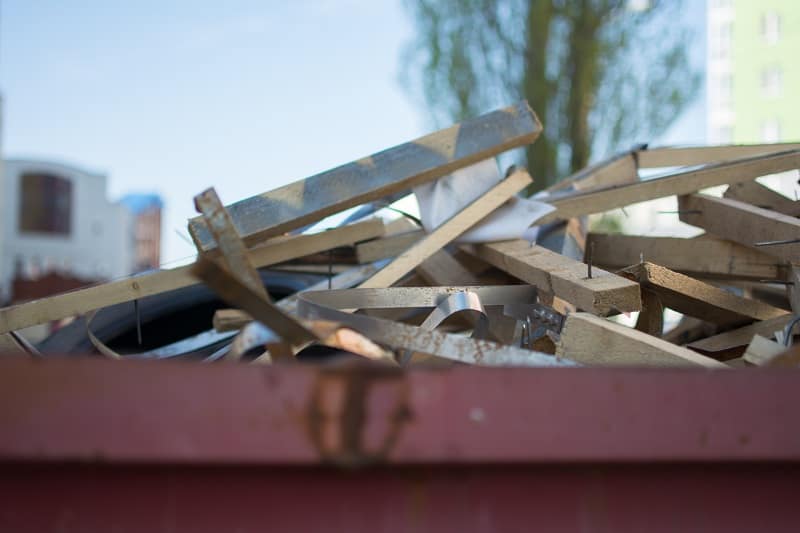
[(97, 445)]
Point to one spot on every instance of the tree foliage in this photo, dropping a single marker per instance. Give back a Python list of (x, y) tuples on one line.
[(600, 74)]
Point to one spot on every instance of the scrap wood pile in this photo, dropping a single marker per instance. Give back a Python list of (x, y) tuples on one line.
[(484, 276)]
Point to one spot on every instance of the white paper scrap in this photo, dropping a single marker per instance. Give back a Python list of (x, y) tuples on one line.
[(440, 200)]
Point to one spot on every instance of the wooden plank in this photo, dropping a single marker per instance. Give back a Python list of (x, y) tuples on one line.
[(702, 155), (700, 300), (400, 225), (450, 230), (794, 289), (689, 329), (302, 268), (651, 317), (229, 319), (128, 289), (384, 173), (743, 223), (619, 169), (773, 294), (592, 340), (738, 362), (236, 292), (759, 195), (10, 346), (442, 269), (561, 276), (343, 255), (707, 257), (738, 338), (228, 242), (676, 184), (391, 246)]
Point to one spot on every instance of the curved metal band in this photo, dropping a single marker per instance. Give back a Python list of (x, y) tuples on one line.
[(404, 336), (453, 305), (406, 297)]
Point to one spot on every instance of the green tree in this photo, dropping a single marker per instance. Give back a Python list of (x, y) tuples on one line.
[(601, 74)]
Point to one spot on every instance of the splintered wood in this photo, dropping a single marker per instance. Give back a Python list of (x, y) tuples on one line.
[(570, 298)]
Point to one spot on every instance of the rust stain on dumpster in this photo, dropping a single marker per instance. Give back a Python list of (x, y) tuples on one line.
[(345, 409)]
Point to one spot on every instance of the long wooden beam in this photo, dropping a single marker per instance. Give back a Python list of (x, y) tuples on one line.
[(700, 257), (760, 195), (702, 155), (651, 317), (128, 289), (614, 171), (442, 269), (450, 230), (743, 223), (604, 293), (686, 182), (235, 291), (738, 338), (10, 346), (390, 171), (592, 340), (390, 246), (230, 319), (700, 300), (229, 243)]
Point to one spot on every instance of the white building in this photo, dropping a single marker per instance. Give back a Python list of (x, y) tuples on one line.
[(720, 116), (57, 217), (751, 76)]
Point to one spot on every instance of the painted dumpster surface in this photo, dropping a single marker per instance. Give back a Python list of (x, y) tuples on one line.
[(96, 445)]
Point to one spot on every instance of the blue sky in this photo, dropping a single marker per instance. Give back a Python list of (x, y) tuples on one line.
[(174, 96)]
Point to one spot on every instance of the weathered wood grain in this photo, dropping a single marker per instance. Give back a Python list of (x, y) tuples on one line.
[(390, 246), (592, 340), (700, 300), (738, 338), (602, 294), (687, 182), (685, 156), (743, 223), (754, 193), (128, 289), (390, 171), (708, 256)]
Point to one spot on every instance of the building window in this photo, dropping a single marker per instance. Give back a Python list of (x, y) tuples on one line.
[(724, 39), (770, 27), (45, 204), (726, 90), (724, 135), (771, 82), (771, 131)]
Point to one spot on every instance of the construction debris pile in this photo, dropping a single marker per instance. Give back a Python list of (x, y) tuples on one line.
[(486, 277)]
